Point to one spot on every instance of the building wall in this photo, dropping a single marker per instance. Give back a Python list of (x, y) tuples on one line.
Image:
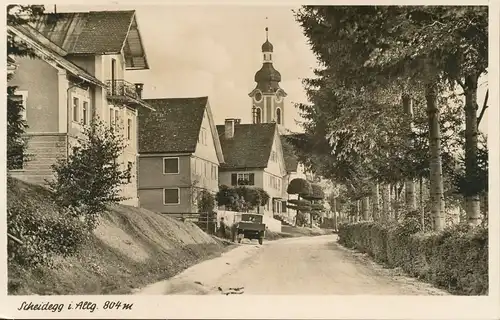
[(87, 63), (43, 150), (152, 180), (40, 80), (204, 162)]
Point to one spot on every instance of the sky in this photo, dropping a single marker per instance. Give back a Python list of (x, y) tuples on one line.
[(215, 51)]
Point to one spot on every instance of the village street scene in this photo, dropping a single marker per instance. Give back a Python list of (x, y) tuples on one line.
[(208, 150)]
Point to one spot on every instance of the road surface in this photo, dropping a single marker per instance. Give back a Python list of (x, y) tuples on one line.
[(306, 265)]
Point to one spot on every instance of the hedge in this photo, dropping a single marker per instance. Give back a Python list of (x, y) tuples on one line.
[(455, 259)]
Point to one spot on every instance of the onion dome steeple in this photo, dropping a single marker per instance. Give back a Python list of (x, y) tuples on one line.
[(267, 46), (267, 77)]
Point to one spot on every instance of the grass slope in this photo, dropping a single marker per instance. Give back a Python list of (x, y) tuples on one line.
[(132, 247)]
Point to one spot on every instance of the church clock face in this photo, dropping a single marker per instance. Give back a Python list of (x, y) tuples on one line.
[(258, 96)]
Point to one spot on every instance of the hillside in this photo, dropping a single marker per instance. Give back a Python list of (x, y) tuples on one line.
[(131, 247)]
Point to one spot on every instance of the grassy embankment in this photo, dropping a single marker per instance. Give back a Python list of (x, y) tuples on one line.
[(131, 247)]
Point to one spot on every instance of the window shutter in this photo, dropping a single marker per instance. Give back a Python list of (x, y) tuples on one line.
[(251, 178), (234, 179), (283, 206)]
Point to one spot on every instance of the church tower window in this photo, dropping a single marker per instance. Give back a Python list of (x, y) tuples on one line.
[(278, 116), (258, 116)]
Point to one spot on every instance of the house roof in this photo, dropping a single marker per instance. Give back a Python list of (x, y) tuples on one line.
[(46, 51), (250, 146), (173, 127), (96, 32)]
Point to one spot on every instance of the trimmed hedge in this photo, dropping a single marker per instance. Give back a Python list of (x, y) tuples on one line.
[(455, 259)]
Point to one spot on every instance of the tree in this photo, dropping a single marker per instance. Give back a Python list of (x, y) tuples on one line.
[(16, 127), (241, 198), (370, 56), (91, 177), (299, 187), (20, 15)]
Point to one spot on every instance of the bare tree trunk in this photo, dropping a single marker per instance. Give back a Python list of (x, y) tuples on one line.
[(422, 209), (436, 173), (386, 202), (365, 207), (356, 216), (375, 202), (410, 198), (472, 201)]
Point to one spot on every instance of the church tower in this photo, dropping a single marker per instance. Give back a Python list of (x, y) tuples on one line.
[(268, 97)]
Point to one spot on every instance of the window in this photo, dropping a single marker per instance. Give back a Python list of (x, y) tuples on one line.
[(129, 129), (214, 172), (117, 118), (258, 116), (130, 167), (76, 113), (274, 157), (170, 165), (22, 97), (171, 196), (203, 136), (278, 116), (111, 117), (243, 179), (85, 113), (206, 169)]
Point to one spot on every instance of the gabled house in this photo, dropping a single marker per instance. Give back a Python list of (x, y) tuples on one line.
[(253, 157), (180, 154), (79, 76)]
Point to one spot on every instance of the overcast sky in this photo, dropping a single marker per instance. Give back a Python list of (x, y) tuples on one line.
[(215, 50)]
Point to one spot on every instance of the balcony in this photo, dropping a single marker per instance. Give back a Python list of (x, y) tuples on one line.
[(123, 92)]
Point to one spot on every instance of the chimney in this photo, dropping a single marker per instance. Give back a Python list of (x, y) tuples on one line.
[(138, 89), (229, 128)]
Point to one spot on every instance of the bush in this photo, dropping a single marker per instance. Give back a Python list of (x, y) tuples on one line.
[(91, 177), (43, 228), (456, 258)]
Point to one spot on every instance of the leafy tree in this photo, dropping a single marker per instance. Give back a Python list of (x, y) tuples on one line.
[(299, 187), (206, 202), (16, 127), (91, 177), (20, 15), (241, 198), (371, 57)]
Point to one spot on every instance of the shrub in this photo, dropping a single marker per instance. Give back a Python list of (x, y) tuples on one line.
[(456, 258), (91, 177), (44, 228)]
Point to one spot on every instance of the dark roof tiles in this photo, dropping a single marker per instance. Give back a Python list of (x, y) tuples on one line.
[(250, 146), (174, 127), (94, 32)]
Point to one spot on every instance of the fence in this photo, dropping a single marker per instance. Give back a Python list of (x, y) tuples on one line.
[(206, 222)]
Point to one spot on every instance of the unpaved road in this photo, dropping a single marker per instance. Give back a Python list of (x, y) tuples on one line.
[(306, 265)]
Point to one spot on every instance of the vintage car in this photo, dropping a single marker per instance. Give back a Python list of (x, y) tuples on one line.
[(250, 227)]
